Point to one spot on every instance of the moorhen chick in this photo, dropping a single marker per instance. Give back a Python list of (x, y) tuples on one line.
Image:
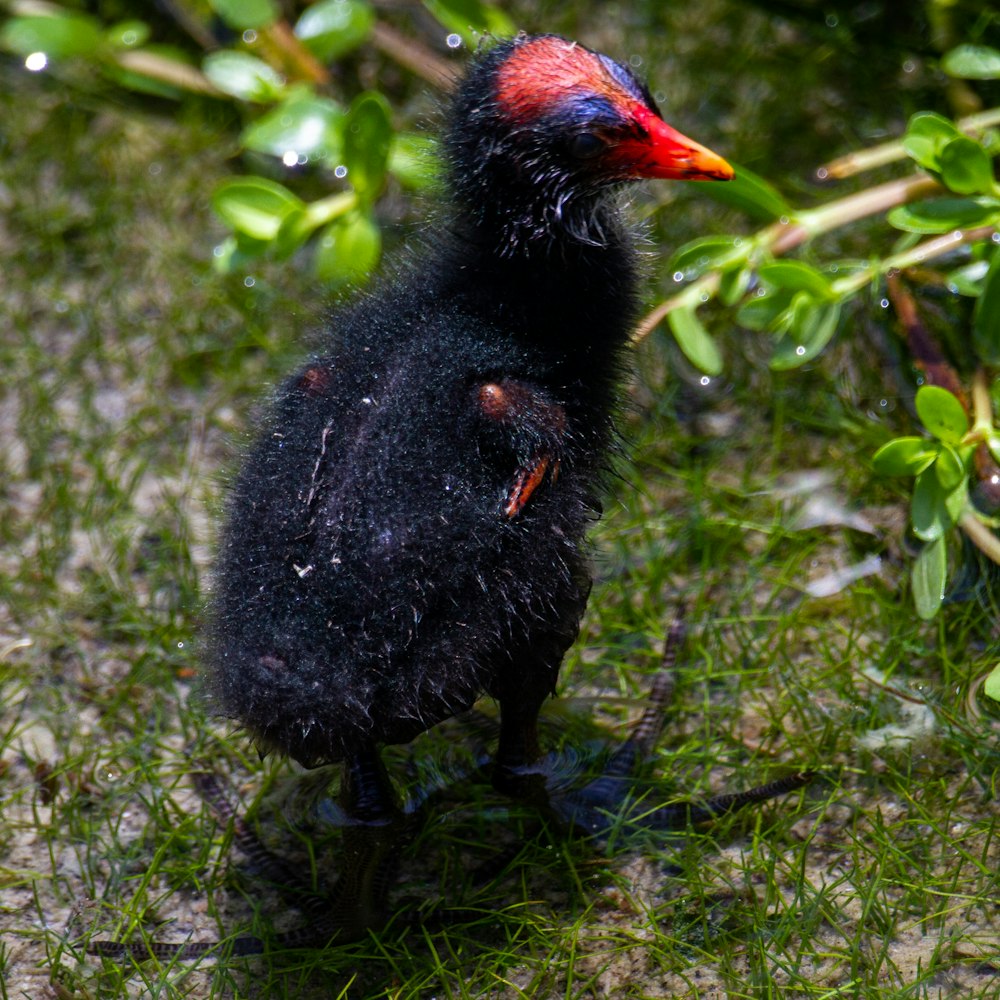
[(407, 533)]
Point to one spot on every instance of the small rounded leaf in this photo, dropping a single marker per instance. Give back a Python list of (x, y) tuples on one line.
[(237, 252), (471, 19), (127, 34), (733, 284), (246, 14), (413, 160), (367, 137), (57, 35), (949, 469), (965, 167), (332, 28), (302, 125), (701, 255), (765, 310), (905, 456), (244, 76), (928, 578), (296, 227), (969, 279), (972, 62), (941, 413), (797, 276), (929, 513), (255, 206), (927, 133), (694, 340), (991, 686), (348, 249), (942, 215), (811, 330)]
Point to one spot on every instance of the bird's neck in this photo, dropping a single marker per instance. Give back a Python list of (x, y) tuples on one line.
[(572, 297)]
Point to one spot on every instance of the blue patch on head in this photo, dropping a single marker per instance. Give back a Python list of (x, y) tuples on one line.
[(593, 109), (624, 77)]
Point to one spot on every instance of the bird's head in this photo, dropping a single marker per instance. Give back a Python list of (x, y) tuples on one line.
[(542, 127)]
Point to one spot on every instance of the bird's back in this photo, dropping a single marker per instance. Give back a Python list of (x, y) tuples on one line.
[(375, 575)]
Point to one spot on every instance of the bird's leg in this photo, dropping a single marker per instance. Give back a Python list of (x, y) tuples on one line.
[(375, 827), (518, 750)]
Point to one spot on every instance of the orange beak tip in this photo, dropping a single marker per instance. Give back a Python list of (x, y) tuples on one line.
[(675, 156)]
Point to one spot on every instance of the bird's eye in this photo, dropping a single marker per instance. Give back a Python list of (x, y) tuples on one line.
[(586, 145)]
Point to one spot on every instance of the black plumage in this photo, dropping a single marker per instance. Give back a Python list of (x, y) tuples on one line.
[(408, 531)]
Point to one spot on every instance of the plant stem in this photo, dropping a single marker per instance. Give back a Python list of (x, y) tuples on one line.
[(873, 201), (325, 210), (937, 246), (414, 56), (980, 535), (982, 408), (286, 49), (891, 152), (780, 237), (171, 71)]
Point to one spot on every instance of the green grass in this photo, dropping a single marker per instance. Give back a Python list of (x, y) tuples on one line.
[(130, 375)]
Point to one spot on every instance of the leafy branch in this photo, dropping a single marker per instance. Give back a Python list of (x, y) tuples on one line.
[(278, 75), (799, 303)]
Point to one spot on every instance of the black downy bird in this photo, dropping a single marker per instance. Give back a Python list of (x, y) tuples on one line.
[(408, 531)]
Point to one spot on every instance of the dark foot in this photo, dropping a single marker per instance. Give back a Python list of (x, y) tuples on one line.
[(608, 802)]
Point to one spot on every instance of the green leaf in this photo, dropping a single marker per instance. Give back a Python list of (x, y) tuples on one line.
[(972, 62), (242, 75), (928, 578), (296, 227), (991, 686), (348, 249), (58, 35), (905, 456), (763, 310), (752, 194), (949, 469), (254, 206), (928, 513), (237, 252), (969, 279), (246, 14), (332, 28), (127, 34), (927, 133), (471, 19), (367, 137), (986, 316), (941, 413), (694, 340), (707, 253), (733, 285), (303, 124), (797, 276), (413, 160), (933, 509), (810, 331), (942, 215), (965, 167)]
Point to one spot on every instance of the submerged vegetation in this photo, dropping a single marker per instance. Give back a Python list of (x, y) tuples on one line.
[(813, 455)]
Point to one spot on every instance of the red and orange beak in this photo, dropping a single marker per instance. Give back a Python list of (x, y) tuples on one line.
[(670, 155)]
